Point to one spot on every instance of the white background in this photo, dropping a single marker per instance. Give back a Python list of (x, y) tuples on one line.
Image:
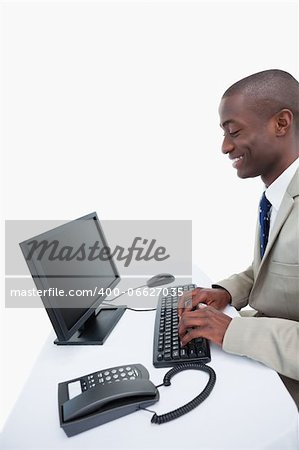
[(112, 106)]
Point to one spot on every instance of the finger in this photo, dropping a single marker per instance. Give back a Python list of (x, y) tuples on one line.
[(188, 301), (192, 334), (184, 301), (193, 321), (198, 297)]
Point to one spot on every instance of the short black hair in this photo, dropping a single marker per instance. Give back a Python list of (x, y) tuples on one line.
[(269, 91)]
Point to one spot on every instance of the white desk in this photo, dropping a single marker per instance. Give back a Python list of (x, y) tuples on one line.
[(249, 407)]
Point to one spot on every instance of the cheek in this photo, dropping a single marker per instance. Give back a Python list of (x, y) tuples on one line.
[(257, 144), (246, 143)]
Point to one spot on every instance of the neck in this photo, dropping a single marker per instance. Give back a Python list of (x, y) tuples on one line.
[(269, 178)]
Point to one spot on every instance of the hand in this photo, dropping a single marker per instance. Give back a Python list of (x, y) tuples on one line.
[(208, 323), (218, 298)]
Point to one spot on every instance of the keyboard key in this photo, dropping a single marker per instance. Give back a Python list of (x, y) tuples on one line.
[(184, 353), (175, 354)]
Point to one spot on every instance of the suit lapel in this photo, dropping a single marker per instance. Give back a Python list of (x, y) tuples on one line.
[(284, 211), (257, 249)]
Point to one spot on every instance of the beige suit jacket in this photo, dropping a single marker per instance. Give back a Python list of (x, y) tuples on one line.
[(271, 287)]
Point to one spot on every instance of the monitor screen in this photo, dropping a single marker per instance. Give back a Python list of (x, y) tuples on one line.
[(72, 268)]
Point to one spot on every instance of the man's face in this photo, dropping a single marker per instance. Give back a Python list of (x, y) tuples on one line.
[(249, 140)]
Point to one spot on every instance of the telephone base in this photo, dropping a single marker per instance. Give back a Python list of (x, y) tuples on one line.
[(86, 423)]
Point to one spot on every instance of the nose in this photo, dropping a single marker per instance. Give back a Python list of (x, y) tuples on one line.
[(227, 145)]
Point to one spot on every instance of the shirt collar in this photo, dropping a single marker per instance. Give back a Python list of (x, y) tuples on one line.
[(277, 189)]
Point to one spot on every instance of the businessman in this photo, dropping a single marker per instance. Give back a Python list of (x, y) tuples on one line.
[(260, 118)]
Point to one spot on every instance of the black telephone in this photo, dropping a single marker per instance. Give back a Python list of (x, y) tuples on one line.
[(99, 397)]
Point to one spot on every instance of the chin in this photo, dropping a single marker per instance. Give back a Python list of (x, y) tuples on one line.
[(243, 174)]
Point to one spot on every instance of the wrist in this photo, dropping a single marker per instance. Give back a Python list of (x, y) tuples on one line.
[(229, 297)]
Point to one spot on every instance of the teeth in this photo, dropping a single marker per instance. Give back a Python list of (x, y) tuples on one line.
[(237, 159)]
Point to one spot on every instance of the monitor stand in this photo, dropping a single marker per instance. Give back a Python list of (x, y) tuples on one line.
[(97, 328)]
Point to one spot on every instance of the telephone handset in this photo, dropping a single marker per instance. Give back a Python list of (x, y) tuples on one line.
[(95, 399), (102, 396)]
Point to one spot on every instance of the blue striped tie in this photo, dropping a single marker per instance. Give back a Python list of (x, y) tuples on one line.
[(265, 206)]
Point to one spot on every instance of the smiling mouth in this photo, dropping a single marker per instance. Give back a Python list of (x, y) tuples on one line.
[(237, 161)]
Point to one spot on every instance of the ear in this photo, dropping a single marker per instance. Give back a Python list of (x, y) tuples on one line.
[(283, 121)]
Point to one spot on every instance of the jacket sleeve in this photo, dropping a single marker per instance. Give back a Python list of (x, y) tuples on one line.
[(272, 341), (239, 287)]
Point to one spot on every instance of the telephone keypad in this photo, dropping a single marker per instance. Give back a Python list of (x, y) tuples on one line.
[(113, 375)]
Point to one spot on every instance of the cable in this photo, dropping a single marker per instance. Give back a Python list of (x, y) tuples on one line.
[(131, 309), (141, 310), (163, 418)]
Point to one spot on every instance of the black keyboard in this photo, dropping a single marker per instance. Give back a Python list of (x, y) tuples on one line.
[(167, 351)]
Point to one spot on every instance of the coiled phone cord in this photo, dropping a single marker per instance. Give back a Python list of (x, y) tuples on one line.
[(163, 418)]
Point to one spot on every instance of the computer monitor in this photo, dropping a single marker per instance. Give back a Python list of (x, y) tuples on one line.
[(73, 272)]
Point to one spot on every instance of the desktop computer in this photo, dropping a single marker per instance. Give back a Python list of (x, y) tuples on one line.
[(61, 263)]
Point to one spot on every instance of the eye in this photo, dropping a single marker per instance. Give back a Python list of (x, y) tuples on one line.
[(234, 133)]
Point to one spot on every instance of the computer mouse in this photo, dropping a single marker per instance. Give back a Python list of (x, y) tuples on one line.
[(158, 280)]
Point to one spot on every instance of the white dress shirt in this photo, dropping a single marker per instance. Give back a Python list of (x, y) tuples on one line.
[(275, 192)]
